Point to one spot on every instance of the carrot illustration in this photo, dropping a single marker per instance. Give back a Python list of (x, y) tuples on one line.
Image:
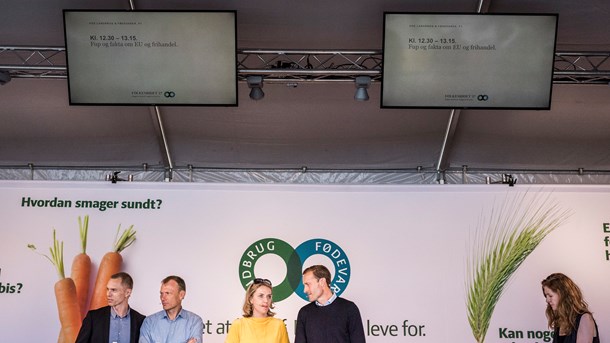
[(81, 268), (110, 264), (65, 294), (67, 306)]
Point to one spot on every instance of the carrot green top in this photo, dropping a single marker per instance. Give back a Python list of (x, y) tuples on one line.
[(84, 229), (57, 255), (125, 239)]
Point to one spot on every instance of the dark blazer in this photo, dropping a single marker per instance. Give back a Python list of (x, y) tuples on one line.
[(96, 326)]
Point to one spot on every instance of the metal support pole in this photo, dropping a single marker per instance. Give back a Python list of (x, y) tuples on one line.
[(170, 163)]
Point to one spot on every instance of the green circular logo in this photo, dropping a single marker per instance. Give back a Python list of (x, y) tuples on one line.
[(276, 247), (294, 259)]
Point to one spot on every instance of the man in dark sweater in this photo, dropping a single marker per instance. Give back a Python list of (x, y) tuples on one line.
[(327, 318)]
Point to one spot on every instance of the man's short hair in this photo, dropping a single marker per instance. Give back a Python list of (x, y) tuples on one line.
[(319, 271), (126, 279), (179, 281)]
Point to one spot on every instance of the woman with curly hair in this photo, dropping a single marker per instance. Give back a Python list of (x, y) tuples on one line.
[(258, 324), (567, 312)]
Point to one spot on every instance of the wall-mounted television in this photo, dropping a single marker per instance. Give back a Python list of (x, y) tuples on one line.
[(151, 57), (447, 60)]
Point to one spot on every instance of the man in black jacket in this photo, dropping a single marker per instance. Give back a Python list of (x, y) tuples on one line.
[(116, 322)]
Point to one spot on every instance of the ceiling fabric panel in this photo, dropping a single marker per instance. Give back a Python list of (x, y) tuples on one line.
[(316, 125)]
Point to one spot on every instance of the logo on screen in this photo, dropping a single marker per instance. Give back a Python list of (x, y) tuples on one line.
[(169, 94), (482, 97), (294, 259)]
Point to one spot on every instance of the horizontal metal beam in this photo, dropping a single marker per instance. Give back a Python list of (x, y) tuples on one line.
[(301, 65)]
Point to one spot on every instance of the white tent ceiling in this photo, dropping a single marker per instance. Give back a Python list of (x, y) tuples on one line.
[(317, 125)]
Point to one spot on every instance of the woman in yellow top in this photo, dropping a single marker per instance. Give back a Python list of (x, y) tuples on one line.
[(258, 324)]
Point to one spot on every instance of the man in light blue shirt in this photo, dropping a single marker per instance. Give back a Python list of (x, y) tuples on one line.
[(174, 324)]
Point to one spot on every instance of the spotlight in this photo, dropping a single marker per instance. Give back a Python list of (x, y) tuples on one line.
[(507, 179), (114, 177), (362, 83), (256, 87), (5, 77)]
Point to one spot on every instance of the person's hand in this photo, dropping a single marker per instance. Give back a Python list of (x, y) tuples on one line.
[(192, 340)]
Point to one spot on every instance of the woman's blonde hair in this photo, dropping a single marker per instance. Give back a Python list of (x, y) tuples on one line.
[(256, 284), (570, 305)]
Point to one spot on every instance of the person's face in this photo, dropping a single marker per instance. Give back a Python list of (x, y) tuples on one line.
[(552, 298), (171, 295), (261, 300), (116, 292), (312, 286)]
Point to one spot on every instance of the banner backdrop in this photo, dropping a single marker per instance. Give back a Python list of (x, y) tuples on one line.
[(399, 252)]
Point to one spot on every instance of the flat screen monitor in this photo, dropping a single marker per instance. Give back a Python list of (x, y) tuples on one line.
[(501, 61), (151, 57)]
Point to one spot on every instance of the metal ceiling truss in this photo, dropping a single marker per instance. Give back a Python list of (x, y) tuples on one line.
[(301, 65), (34, 62), (288, 66), (582, 67)]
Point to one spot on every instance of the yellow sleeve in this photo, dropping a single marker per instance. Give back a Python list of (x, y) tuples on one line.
[(283, 333), (234, 329)]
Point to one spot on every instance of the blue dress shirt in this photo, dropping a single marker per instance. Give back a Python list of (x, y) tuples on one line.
[(158, 328), (329, 301), (119, 327)]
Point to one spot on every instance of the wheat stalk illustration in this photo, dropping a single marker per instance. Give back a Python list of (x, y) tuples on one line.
[(501, 244)]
